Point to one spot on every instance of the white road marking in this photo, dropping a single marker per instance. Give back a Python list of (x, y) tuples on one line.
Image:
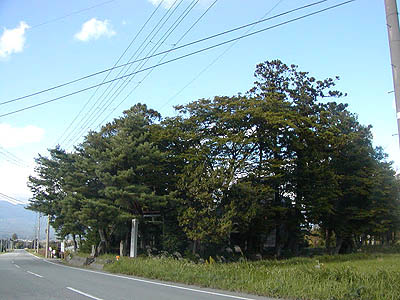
[(147, 281), (82, 293), (17, 266), (34, 256), (37, 275), (153, 282)]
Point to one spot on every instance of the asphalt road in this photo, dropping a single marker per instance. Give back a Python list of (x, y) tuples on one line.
[(24, 276)]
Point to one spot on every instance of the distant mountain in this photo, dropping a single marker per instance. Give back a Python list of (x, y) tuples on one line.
[(17, 219)]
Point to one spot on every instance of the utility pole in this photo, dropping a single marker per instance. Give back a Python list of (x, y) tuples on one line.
[(392, 20), (134, 234), (47, 236), (38, 235)]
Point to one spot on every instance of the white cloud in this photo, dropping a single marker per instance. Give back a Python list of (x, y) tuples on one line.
[(14, 137), (13, 40), (94, 29), (13, 181), (13, 177)]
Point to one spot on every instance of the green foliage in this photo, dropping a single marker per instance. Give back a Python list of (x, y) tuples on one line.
[(261, 171)]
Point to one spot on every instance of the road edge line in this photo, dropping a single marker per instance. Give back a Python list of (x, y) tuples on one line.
[(82, 293), (150, 281)]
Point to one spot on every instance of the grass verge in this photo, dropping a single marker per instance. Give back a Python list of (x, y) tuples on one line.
[(364, 276)]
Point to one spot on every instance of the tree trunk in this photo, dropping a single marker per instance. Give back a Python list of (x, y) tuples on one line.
[(279, 240), (74, 239), (127, 243), (101, 248), (339, 243), (388, 237), (121, 248), (328, 240), (194, 249), (294, 244)]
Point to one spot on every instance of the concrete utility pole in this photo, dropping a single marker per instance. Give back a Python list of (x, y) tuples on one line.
[(392, 20), (134, 234), (38, 235), (47, 236)]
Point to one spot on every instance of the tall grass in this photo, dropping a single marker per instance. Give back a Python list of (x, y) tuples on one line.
[(355, 276)]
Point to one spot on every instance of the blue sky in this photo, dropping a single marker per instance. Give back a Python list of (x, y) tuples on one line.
[(40, 47)]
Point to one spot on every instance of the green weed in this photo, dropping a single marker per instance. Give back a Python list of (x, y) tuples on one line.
[(341, 277)]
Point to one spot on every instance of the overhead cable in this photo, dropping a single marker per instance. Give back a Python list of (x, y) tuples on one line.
[(183, 56), (110, 70), (174, 49), (150, 71), (217, 58), (102, 101), (11, 199), (161, 41), (12, 158), (71, 14)]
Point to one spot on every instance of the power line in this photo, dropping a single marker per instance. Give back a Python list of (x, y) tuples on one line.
[(116, 63), (150, 36), (11, 199), (167, 51), (71, 14), (218, 58), (159, 43), (12, 158), (141, 48), (9, 159), (183, 36), (183, 56), (10, 154), (186, 55)]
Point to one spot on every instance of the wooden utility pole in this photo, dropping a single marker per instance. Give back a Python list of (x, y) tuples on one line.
[(392, 20)]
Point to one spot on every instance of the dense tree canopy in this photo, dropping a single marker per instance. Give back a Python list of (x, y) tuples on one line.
[(262, 170)]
